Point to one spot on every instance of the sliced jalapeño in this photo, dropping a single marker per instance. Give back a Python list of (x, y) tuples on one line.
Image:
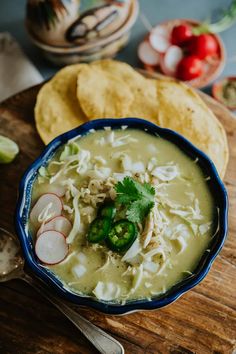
[(99, 229), (122, 235), (108, 210)]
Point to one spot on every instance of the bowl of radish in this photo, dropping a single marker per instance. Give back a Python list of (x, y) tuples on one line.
[(179, 49)]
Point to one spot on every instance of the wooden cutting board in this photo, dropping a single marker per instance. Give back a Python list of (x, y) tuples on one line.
[(201, 321)]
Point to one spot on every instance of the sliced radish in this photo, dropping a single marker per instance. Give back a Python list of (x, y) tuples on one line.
[(159, 39), (147, 54), (171, 59), (48, 203), (51, 247), (59, 223), (162, 30)]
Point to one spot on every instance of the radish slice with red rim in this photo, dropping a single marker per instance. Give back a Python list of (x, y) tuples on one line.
[(171, 59), (159, 39), (163, 30), (147, 54), (59, 223), (47, 206), (51, 247)]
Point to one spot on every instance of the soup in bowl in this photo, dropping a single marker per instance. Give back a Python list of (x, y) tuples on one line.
[(121, 215)]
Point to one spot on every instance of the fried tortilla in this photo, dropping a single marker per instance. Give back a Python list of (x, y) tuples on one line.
[(102, 94), (144, 103), (112, 89), (181, 109), (57, 109)]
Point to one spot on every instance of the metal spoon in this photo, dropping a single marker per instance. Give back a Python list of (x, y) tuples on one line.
[(12, 267)]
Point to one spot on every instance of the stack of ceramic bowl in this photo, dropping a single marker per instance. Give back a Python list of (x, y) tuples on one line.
[(63, 46)]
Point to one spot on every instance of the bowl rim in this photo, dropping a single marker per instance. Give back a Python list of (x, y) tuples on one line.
[(99, 43), (23, 206)]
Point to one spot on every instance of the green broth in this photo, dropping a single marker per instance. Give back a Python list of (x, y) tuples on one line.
[(187, 190)]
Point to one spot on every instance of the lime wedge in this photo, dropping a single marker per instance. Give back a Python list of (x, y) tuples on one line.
[(8, 149)]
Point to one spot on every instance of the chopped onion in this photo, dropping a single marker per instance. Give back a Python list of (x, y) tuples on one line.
[(138, 167), (79, 270), (204, 228), (151, 266), (106, 291), (82, 258)]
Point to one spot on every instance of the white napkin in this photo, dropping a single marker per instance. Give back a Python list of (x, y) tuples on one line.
[(16, 71)]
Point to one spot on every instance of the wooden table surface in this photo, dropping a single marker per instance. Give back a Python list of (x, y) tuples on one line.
[(201, 321)]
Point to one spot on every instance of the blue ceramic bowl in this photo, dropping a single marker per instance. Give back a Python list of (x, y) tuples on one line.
[(215, 184)]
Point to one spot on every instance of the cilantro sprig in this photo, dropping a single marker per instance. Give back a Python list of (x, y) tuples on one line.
[(137, 198)]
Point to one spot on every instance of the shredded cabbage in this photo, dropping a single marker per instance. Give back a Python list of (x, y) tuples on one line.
[(165, 173), (69, 150), (43, 172), (155, 251), (137, 279), (76, 224), (99, 173), (69, 183), (180, 244)]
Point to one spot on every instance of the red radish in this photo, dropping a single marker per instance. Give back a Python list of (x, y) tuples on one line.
[(48, 201), (159, 39), (51, 247), (59, 223), (147, 54), (203, 46), (190, 68), (171, 59), (181, 34)]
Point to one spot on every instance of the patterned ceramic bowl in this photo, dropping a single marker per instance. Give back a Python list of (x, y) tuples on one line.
[(216, 187), (106, 47)]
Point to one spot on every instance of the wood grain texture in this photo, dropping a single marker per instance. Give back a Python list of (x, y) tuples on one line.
[(202, 321)]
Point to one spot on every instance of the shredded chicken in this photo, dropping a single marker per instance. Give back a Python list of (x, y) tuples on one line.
[(148, 230)]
